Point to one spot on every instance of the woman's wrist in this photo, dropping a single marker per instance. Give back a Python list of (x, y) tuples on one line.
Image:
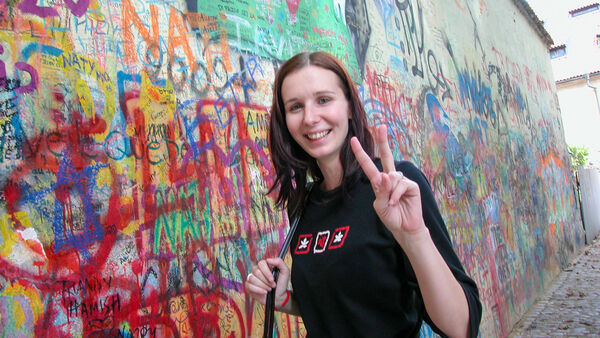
[(286, 300), (414, 241)]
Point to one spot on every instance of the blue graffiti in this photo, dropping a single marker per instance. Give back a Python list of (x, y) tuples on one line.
[(479, 94), (90, 231)]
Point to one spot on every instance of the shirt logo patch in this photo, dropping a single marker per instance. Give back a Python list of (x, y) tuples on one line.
[(321, 242), (339, 236), (303, 246)]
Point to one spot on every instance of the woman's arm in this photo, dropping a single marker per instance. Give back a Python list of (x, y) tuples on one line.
[(444, 298), (398, 205)]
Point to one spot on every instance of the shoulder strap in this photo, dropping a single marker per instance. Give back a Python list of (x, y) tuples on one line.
[(270, 302), (294, 224)]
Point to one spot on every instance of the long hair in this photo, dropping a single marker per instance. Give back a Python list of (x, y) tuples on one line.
[(293, 166)]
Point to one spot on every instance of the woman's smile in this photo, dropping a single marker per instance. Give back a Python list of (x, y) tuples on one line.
[(318, 135)]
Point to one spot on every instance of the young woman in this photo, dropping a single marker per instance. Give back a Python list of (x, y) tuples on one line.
[(371, 255)]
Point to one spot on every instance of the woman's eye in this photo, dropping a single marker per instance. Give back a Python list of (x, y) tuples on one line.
[(324, 100), (294, 107)]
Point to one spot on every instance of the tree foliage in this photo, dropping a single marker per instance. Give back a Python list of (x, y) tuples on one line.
[(579, 156)]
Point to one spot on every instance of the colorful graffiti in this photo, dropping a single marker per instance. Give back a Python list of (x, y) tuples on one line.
[(134, 159)]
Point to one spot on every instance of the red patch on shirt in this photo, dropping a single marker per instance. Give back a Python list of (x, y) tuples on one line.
[(339, 236), (303, 246), (321, 243)]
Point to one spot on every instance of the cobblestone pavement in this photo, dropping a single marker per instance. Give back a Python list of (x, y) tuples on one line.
[(571, 306)]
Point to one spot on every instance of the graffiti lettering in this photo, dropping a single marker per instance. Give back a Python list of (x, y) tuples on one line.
[(101, 307)]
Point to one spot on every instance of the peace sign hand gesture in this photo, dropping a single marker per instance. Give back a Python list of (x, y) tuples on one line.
[(397, 199)]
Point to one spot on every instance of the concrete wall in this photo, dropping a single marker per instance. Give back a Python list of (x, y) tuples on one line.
[(134, 162), (589, 184)]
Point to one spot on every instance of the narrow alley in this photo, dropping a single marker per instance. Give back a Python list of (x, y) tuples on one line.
[(571, 306)]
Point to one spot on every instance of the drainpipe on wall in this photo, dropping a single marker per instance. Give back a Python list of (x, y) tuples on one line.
[(587, 78)]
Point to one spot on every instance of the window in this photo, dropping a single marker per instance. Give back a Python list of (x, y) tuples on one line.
[(558, 51), (584, 10)]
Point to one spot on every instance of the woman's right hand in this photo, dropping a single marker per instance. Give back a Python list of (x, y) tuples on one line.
[(260, 281)]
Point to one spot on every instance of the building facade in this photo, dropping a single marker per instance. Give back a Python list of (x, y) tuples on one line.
[(575, 57)]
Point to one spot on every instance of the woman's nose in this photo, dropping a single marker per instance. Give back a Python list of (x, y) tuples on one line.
[(311, 115)]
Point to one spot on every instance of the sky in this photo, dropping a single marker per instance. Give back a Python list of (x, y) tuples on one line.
[(555, 14)]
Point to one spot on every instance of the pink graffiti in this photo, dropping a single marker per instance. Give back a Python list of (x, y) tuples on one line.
[(293, 8), (31, 7), (34, 78)]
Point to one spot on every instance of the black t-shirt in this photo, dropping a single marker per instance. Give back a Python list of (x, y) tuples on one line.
[(350, 276)]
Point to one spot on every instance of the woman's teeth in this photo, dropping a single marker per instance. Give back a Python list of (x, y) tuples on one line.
[(317, 136)]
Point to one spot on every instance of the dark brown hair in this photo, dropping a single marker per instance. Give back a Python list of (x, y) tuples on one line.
[(292, 164)]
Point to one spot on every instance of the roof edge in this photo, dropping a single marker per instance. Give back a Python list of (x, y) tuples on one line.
[(534, 21), (578, 77), (594, 4)]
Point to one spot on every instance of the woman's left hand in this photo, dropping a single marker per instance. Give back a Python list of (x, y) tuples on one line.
[(397, 199)]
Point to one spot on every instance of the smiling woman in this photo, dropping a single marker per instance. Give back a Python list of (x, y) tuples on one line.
[(325, 79), (368, 224), (316, 115)]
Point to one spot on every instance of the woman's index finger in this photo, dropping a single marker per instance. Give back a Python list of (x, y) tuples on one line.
[(385, 153), (364, 160)]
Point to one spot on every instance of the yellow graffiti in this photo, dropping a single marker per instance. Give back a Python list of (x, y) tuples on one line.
[(257, 121), (94, 12), (18, 314), (75, 67), (16, 289), (7, 230), (130, 129), (134, 224), (158, 106), (481, 184), (154, 99), (104, 177), (85, 98)]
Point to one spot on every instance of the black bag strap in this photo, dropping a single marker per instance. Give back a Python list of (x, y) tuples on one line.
[(270, 302)]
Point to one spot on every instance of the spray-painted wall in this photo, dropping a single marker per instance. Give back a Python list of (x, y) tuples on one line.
[(134, 161)]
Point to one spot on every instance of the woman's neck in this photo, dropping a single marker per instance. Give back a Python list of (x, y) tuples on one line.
[(332, 174)]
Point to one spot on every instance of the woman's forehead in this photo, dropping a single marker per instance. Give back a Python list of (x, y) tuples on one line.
[(311, 77)]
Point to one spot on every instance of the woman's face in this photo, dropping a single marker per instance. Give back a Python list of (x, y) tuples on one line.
[(316, 112)]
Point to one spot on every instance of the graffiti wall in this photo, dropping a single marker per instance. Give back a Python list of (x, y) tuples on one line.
[(134, 160)]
